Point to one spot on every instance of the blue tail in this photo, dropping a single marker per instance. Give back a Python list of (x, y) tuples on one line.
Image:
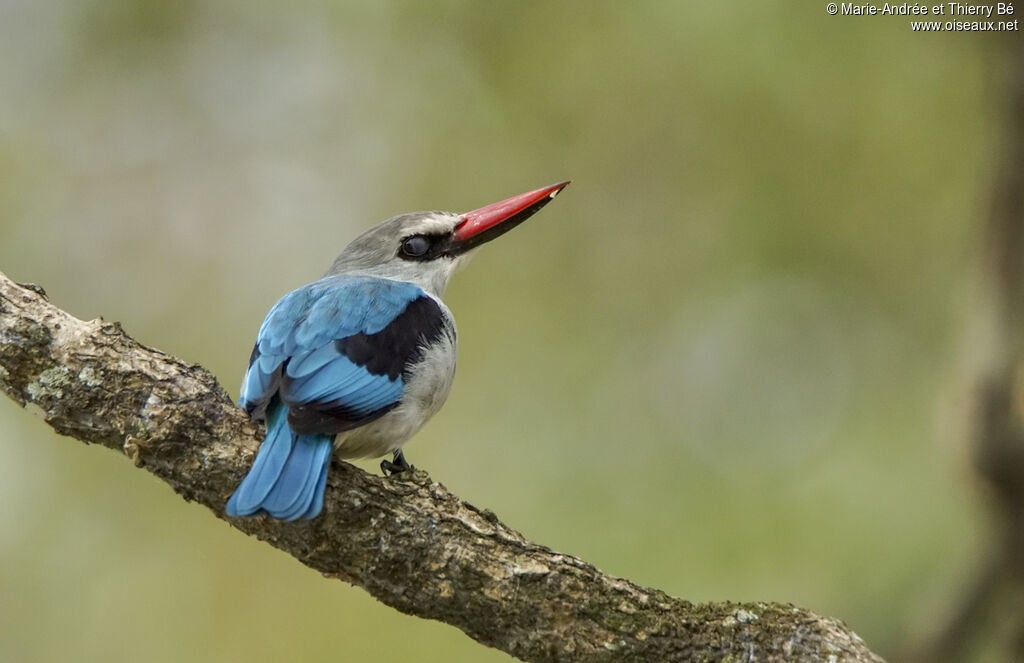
[(288, 477)]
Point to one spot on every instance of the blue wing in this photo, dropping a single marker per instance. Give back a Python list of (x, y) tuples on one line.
[(334, 351)]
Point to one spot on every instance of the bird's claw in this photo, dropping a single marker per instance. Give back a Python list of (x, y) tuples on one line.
[(398, 465)]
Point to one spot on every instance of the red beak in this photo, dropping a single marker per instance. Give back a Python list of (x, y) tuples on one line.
[(484, 224)]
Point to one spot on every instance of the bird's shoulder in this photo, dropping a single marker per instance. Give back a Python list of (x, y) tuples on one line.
[(341, 306)]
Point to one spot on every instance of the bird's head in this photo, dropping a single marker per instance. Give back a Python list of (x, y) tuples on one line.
[(425, 248)]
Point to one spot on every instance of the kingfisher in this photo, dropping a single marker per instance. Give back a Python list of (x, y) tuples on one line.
[(357, 362)]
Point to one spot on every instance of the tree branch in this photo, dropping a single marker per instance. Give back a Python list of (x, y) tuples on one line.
[(407, 541)]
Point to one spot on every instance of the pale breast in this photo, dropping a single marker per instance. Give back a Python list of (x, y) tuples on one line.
[(427, 384)]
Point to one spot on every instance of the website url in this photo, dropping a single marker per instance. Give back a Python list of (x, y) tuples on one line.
[(965, 26)]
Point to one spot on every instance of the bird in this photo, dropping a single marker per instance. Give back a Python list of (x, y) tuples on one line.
[(355, 363)]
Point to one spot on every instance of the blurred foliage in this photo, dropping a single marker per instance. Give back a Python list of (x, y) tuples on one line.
[(728, 362)]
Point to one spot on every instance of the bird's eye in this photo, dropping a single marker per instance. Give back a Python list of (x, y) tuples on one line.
[(415, 246)]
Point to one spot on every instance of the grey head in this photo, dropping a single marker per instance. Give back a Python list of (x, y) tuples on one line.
[(416, 247), (426, 248)]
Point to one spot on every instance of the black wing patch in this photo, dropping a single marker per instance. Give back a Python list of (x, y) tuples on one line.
[(316, 418), (392, 350)]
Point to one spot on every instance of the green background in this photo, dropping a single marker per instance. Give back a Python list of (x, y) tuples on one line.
[(732, 361)]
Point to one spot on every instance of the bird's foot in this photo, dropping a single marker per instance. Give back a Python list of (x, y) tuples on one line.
[(398, 465)]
